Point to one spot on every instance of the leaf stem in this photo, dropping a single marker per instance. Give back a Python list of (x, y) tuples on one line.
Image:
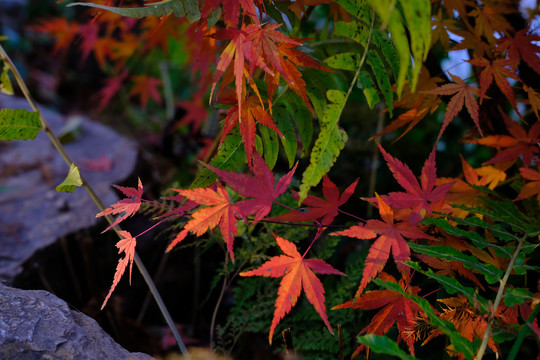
[(498, 298), (97, 200)]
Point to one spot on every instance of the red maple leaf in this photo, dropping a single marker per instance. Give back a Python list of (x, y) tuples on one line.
[(326, 208), (113, 84), (496, 70), (518, 143), (261, 187), (420, 197), (396, 308), (391, 238), (251, 111), (64, 32), (532, 188), (146, 86), (297, 273), (522, 47), (125, 207), (463, 95), (127, 246), (220, 211)]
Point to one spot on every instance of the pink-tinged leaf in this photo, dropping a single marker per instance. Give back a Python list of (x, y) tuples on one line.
[(420, 197), (463, 95), (326, 208), (125, 207), (261, 187), (127, 246), (298, 273)]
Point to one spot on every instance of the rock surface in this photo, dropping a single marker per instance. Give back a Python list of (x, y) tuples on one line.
[(35, 324), (32, 213)]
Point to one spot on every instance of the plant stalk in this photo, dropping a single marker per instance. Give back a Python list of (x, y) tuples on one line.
[(498, 298), (97, 200)]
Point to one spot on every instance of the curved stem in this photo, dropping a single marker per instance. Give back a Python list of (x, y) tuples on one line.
[(498, 298), (97, 200)]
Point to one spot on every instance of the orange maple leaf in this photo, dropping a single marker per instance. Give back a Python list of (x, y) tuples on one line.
[(532, 188), (463, 95), (64, 32), (127, 246), (297, 273), (534, 99), (396, 309), (391, 238), (518, 143), (220, 211), (125, 207)]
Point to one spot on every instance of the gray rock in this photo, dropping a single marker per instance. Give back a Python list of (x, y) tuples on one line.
[(33, 214), (35, 324)]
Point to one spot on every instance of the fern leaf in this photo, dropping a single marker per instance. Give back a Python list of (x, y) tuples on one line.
[(328, 145), (187, 8), (19, 124)]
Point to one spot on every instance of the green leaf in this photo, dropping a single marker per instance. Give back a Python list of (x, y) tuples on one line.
[(284, 123), (381, 75), (368, 88), (72, 180), (303, 118), (496, 229), (491, 273), (231, 156), (388, 50), (384, 345), (352, 30), (343, 61), (358, 9), (452, 286), (516, 296), (19, 124), (417, 14), (5, 83), (270, 145), (328, 145), (461, 344), (187, 8)]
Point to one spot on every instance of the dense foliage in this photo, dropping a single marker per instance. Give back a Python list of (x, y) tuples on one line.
[(298, 87)]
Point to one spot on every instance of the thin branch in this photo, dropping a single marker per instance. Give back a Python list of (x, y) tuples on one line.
[(97, 200)]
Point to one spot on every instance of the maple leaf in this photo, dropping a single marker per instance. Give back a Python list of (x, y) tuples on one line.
[(396, 309), (522, 47), (534, 99), (63, 31), (251, 111), (391, 238), (463, 95), (420, 197), (261, 187), (419, 104), (326, 208), (231, 10), (220, 211), (496, 70), (196, 113), (532, 188), (145, 86), (127, 246), (298, 272), (518, 143), (113, 84), (125, 207)]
